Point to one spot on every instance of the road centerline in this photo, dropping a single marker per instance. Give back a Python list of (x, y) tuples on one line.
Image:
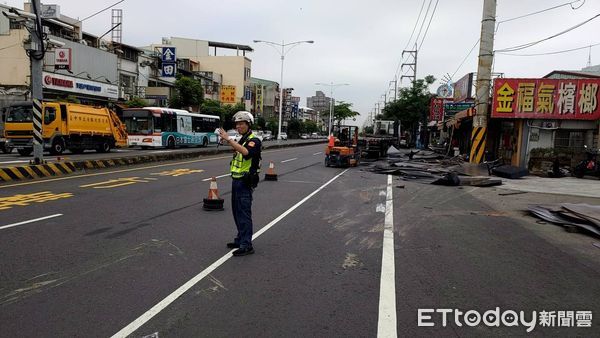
[(386, 324), (144, 318), (289, 160)]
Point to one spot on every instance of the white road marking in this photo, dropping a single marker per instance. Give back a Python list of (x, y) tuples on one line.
[(386, 324), (291, 159), (159, 151), (9, 162), (382, 193), (320, 152), (380, 208), (144, 318), (30, 221), (210, 178)]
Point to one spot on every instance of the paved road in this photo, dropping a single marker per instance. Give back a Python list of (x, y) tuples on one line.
[(131, 251), (14, 159)]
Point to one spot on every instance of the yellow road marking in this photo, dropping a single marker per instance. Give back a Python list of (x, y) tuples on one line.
[(71, 177), (178, 172), (119, 182), (22, 200)]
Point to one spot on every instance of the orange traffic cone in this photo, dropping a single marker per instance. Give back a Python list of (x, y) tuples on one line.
[(271, 175), (213, 202)]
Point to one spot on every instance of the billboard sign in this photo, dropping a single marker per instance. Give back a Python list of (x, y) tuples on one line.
[(62, 58), (566, 99), (227, 94), (463, 88)]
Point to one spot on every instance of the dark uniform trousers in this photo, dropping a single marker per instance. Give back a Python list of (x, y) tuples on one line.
[(241, 202)]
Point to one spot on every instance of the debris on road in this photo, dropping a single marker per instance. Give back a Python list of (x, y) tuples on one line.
[(571, 216), (432, 168)]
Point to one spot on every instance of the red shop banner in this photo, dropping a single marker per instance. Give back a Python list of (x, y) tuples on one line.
[(566, 99)]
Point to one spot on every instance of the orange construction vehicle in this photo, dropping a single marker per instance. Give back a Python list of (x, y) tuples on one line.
[(342, 149)]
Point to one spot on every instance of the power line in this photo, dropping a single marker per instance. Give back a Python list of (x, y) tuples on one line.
[(542, 11), (428, 24), (423, 23), (410, 38), (552, 53), (102, 10), (530, 44), (465, 59)]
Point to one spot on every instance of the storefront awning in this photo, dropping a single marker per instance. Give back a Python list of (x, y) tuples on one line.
[(455, 120)]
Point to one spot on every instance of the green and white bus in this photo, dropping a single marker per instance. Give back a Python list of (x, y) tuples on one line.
[(151, 127)]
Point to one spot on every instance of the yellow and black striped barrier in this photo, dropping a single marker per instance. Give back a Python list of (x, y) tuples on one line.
[(478, 137), (36, 171)]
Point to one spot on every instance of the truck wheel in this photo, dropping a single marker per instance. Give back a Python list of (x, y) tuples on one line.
[(205, 142), (103, 147), (25, 151), (58, 146), (171, 143)]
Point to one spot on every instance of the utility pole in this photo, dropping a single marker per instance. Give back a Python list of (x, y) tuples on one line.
[(484, 73), (36, 55), (412, 66), (395, 82)]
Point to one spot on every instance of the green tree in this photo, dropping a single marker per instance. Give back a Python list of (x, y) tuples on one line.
[(272, 125), (136, 102), (368, 130), (261, 123), (188, 93), (342, 111), (412, 105), (295, 128), (311, 126), (212, 107)]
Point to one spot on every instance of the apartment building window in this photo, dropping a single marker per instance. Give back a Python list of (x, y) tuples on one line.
[(246, 74)]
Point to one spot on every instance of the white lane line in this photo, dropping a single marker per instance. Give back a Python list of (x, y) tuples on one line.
[(159, 151), (320, 152), (386, 325), (144, 318), (30, 221), (210, 178), (8, 162), (291, 159)]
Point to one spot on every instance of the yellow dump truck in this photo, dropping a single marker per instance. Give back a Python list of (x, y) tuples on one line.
[(65, 126)]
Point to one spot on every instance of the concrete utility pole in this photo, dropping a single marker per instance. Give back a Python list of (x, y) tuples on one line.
[(37, 59), (484, 73)]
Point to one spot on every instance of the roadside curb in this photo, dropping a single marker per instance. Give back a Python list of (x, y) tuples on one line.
[(67, 167)]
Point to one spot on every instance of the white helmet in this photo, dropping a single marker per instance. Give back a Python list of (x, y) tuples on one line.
[(243, 116)]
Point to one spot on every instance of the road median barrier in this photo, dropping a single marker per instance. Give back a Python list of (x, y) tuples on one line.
[(51, 169)]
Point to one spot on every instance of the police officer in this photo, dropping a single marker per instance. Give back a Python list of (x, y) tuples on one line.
[(245, 167)]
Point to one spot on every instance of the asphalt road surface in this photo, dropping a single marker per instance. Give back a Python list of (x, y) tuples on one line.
[(14, 159), (338, 253)]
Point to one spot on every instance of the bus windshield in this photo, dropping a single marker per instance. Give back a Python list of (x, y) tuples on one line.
[(138, 121), (19, 114)]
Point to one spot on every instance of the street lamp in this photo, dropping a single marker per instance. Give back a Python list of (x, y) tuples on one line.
[(331, 86), (283, 52)]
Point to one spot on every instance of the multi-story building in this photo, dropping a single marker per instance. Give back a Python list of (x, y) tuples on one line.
[(319, 102), (265, 98), (234, 70), (84, 72)]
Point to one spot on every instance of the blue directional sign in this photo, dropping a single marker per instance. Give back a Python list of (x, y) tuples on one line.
[(168, 54), (169, 69)]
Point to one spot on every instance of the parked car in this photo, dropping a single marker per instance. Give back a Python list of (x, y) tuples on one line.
[(304, 136), (233, 134), (283, 136), (267, 135)]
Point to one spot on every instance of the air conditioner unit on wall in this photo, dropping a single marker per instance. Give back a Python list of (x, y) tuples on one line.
[(549, 124)]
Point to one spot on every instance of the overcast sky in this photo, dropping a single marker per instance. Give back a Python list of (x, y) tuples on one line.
[(358, 42)]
